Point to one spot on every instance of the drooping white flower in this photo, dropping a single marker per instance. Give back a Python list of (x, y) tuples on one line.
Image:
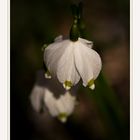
[(71, 60), (50, 95)]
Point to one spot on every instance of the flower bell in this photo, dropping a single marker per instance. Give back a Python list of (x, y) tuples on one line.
[(73, 59), (50, 95)]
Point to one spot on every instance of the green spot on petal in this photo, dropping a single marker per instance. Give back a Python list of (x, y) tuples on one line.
[(91, 84), (47, 74), (67, 85), (44, 46), (62, 117)]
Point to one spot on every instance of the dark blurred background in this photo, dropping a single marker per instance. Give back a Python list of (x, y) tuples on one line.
[(102, 114)]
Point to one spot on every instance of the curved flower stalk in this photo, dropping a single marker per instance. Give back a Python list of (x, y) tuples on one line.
[(50, 95), (71, 61)]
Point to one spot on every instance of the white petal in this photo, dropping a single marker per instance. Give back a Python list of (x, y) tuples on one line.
[(50, 102), (62, 106), (86, 42), (66, 70), (58, 38), (53, 53), (36, 97), (88, 64), (65, 105), (69, 102)]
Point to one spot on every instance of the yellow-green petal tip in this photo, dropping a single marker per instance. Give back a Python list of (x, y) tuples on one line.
[(62, 117), (91, 84), (67, 85), (48, 75)]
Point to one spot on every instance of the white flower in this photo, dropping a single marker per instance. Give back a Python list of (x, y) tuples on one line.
[(69, 61), (50, 95)]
